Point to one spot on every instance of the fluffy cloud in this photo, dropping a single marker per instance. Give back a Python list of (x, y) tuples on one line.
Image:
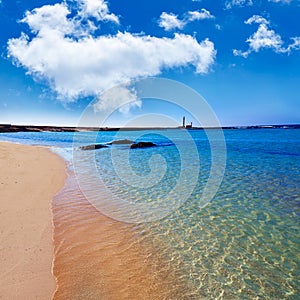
[(170, 21), (230, 4), (266, 38), (257, 19), (49, 17), (295, 45), (122, 96), (240, 3), (281, 1), (55, 17), (97, 9), (64, 52), (199, 15)]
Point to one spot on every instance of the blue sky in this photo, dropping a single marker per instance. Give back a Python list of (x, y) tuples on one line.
[(242, 56)]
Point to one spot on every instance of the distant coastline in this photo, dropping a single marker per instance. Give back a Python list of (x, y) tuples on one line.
[(41, 128)]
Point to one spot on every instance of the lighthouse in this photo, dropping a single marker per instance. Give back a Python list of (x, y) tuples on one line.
[(183, 122)]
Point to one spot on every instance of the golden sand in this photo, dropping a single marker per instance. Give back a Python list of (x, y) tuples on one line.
[(29, 178)]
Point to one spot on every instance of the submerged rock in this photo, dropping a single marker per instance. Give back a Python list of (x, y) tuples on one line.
[(120, 142), (142, 145), (93, 147)]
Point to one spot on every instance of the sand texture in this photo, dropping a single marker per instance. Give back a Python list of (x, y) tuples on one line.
[(29, 178)]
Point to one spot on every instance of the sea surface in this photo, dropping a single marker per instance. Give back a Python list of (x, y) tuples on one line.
[(242, 244)]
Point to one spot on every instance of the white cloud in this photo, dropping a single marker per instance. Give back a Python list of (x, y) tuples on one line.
[(266, 38), (240, 53), (122, 96), (230, 4), (97, 9), (75, 63), (199, 15), (49, 17), (55, 17), (170, 21), (257, 19), (295, 45), (281, 1)]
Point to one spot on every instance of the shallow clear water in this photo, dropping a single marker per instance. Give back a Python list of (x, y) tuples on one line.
[(243, 245)]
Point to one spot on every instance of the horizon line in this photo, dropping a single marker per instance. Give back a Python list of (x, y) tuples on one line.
[(18, 128)]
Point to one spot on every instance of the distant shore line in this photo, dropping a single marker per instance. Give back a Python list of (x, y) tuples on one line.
[(40, 128)]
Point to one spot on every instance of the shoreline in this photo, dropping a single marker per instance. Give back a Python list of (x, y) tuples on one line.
[(102, 258), (30, 177), (11, 128)]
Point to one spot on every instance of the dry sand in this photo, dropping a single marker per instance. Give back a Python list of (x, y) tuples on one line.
[(29, 178)]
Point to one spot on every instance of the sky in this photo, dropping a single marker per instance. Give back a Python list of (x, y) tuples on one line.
[(242, 56)]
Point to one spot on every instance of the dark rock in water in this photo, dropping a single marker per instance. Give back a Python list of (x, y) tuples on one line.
[(120, 142), (92, 147), (142, 145)]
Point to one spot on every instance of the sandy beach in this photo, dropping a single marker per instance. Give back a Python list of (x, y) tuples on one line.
[(30, 176)]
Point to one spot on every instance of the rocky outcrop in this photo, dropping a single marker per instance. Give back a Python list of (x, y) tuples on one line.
[(93, 147), (121, 142), (142, 145)]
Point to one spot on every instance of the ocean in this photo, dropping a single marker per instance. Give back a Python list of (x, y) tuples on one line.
[(138, 224)]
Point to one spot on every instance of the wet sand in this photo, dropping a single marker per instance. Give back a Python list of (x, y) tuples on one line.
[(30, 176), (97, 257)]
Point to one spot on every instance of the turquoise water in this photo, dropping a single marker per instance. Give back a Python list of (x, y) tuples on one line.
[(245, 243)]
